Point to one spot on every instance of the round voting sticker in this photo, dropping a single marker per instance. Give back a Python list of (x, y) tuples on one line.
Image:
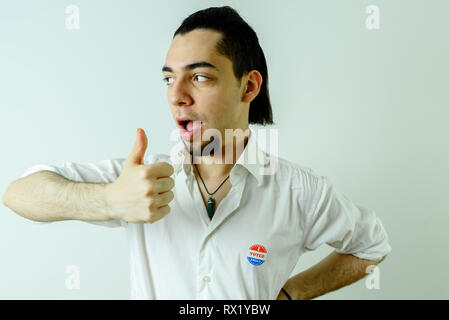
[(257, 254)]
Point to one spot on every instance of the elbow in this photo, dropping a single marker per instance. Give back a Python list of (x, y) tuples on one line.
[(5, 198), (379, 260), (7, 195)]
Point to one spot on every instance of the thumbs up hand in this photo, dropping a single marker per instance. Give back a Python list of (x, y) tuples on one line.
[(142, 192)]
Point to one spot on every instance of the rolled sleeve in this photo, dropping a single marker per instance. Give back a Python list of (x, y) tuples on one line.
[(105, 171), (349, 228)]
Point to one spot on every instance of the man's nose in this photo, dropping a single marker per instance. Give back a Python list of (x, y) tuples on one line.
[(179, 94)]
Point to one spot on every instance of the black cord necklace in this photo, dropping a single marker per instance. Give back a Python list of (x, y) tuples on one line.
[(210, 201)]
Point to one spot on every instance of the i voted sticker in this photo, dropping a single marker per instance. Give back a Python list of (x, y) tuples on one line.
[(257, 254)]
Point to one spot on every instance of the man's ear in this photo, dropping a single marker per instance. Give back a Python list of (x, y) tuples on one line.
[(252, 86)]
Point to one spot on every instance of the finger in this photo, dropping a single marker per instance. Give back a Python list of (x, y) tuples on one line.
[(164, 198), (164, 210), (138, 152), (163, 184), (161, 169)]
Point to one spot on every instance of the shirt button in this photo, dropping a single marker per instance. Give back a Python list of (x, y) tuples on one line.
[(206, 279)]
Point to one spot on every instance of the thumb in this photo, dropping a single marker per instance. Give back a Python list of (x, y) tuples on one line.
[(138, 152)]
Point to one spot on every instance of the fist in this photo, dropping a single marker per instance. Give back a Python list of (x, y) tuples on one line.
[(141, 193)]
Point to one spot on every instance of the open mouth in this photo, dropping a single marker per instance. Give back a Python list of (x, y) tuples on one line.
[(188, 127), (183, 124)]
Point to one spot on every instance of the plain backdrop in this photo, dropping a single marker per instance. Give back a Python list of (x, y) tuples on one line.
[(366, 107)]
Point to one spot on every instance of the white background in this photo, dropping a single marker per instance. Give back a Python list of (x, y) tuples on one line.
[(368, 108)]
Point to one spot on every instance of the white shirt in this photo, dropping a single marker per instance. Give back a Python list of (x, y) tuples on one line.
[(255, 238)]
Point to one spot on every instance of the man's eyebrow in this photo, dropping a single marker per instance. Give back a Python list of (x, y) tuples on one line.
[(191, 66)]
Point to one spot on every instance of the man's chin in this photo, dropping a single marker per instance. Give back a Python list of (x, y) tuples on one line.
[(196, 147)]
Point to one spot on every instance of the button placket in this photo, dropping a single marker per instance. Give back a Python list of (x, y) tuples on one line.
[(204, 278)]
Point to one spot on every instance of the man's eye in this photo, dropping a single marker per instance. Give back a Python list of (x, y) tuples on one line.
[(167, 80), (198, 75)]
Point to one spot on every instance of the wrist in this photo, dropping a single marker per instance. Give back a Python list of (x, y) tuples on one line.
[(288, 291), (286, 295), (108, 212), (294, 288)]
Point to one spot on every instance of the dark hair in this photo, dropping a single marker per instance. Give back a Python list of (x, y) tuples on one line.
[(240, 44)]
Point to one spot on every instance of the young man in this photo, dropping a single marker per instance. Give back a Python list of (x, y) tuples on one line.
[(212, 225)]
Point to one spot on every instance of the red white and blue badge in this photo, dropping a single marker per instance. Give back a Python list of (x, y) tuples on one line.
[(257, 254)]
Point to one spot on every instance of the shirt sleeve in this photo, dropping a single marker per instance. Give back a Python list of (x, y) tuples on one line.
[(105, 171), (338, 222)]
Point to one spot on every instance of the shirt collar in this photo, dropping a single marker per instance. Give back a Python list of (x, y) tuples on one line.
[(252, 159)]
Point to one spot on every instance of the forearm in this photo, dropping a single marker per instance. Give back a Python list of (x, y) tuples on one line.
[(333, 272), (46, 196)]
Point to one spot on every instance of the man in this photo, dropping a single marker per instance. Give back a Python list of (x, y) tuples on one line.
[(212, 225)]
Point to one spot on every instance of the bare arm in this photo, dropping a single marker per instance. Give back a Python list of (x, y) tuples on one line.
[(46, 196), (333, 272), (141, 194)]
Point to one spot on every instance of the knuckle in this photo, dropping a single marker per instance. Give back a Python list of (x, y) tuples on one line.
[(150, 203), (151, 217), (149, 170), (167, 196), (143, 174), (169, 167), (149, 188), (149, 221), (165, 210)]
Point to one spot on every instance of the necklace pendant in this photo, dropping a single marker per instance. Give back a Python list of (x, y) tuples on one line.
[(210, 207)]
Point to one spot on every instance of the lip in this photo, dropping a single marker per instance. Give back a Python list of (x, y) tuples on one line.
[(181, 121), (184, 133)]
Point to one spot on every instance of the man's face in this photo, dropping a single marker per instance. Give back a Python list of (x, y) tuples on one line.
[(207, 93)]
